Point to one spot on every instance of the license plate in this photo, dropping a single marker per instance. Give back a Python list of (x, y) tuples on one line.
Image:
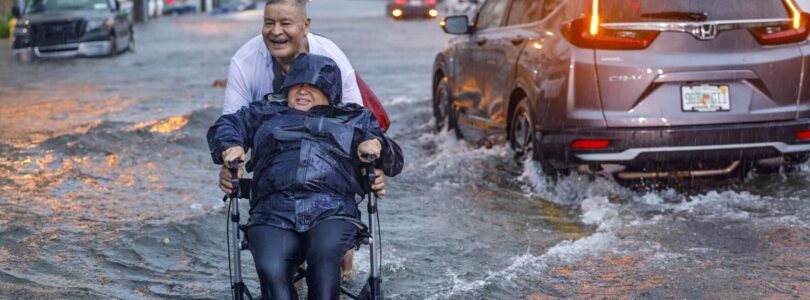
[(705, 98)]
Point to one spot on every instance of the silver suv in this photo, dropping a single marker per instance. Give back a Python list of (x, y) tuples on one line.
[(634, 88)]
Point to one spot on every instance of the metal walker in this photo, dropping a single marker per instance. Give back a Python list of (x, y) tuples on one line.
[(369, 235)]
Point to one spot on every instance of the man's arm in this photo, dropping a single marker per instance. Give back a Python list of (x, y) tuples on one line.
[(325, 47), (351, 91), (237, 92)]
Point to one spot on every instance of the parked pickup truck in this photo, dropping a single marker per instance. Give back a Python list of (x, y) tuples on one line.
[(65, 28)]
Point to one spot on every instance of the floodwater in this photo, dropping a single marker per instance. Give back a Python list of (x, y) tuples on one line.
[(107, 189)]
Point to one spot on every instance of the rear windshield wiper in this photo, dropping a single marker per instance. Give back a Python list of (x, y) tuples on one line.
[(676, 15)]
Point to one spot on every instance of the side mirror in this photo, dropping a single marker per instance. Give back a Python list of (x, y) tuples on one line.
[(16, 12), (456, 24)]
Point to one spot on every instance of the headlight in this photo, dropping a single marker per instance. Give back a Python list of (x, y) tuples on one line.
[(18, 31), (96, 24)]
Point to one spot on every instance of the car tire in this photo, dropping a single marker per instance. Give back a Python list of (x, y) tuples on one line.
[(440, 105), (443, 113), (522, 138)]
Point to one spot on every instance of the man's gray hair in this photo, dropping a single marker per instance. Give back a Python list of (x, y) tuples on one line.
[(301, 5)]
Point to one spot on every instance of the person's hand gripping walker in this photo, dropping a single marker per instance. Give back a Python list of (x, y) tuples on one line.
[(369, 151)]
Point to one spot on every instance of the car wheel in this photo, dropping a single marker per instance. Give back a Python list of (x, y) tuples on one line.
[(522, 137), (443, 112), (521, 131), (440, 105)]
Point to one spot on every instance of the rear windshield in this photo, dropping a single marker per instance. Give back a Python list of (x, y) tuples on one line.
[(691, 10)]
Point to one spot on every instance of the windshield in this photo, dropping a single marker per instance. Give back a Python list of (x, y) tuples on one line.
[(40, 6), (691, 10)]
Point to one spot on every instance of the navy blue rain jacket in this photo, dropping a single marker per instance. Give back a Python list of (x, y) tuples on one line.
[(305, 164)]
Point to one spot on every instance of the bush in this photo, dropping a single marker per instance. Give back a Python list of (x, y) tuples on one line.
[(4, 30)]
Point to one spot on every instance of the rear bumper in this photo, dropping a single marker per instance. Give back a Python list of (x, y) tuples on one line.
[(677, 148)]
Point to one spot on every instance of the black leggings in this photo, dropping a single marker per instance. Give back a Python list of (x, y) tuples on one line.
[(278, 252)]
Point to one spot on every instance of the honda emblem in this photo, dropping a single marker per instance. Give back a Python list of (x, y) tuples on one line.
[(705, 32)]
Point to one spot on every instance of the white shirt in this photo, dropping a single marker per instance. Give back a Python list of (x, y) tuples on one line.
[(250, 74)]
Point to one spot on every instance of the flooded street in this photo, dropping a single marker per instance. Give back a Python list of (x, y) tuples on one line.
[(107, 189)]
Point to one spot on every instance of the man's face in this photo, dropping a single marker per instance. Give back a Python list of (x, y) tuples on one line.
[(303, 97), (285, 31)]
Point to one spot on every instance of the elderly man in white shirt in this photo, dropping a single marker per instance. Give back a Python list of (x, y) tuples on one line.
[(251, 73), (258, 68)]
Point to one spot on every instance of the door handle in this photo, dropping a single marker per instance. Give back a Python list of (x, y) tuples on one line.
[(518, 40), (481, 41)]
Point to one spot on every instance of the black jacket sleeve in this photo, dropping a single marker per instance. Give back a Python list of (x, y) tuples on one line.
[(231, 130), (391, 160)]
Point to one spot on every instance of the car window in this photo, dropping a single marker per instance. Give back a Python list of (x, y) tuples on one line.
[(691, 10), (491, 14), (525, 11)]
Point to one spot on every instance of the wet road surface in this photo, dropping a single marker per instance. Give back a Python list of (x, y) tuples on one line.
[(107, 189)]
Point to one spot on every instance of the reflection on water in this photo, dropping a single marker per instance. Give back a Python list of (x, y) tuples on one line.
[(171, 124)]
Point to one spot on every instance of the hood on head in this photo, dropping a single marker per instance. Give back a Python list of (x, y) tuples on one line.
[(318, 71)]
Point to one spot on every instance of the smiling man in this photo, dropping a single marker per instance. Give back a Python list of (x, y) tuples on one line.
[(260, 66)]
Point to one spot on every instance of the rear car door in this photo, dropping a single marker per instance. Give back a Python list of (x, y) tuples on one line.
[(487, 57), (500, 52), (685, 62)]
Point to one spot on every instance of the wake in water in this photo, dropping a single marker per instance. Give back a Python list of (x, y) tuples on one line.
[(629, 225)]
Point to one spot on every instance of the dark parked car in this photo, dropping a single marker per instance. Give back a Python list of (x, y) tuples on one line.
[(634, 88), (400, 9), (64, 28)]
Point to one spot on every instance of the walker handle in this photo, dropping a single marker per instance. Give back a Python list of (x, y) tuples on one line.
[(233, 166), (372, 172)]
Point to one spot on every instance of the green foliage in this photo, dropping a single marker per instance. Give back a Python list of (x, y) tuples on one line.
[(4, 30)]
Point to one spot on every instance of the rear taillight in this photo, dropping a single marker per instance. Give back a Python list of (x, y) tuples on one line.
[(803, 135), (587, 33), (782, 34), (578, 32), (589, 144), (400, 2), (430, 2)]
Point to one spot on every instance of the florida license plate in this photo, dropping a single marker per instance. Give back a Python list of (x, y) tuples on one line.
[(705, 98)]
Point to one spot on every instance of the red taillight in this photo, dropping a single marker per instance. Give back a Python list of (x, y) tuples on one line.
[(400, 2), (803, 135), (430, 2), (782, 34), (578, 32), (589, 144), (588, 33)]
